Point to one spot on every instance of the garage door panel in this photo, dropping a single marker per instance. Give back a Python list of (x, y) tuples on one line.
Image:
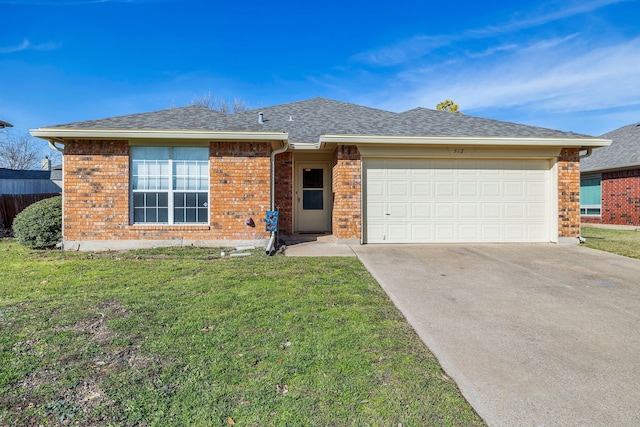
[(444, 188), (513, 211), (376, 232), (491, 211), (468, 211), (514, 232), (461, 200), (421, 210), (536, 189), (491, 188), (421, 233), (375, 188), (537, 230), (444, 233), (421, 188), (398, 189), (490, 233), (376, 210), (536, 210), (467, 189), (514, 189), (397, 210), (398, 232), (468, 232), (444, 211)]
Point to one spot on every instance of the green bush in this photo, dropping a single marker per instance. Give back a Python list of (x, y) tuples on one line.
[(39, 225)]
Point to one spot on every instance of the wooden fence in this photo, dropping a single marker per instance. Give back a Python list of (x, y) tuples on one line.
[(12, 204)]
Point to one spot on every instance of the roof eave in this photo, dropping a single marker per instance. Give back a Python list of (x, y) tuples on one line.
[(466, 140), (617, 168), (61, 134)]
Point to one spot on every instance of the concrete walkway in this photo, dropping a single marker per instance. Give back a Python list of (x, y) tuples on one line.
[(320, 246), (534, 335)]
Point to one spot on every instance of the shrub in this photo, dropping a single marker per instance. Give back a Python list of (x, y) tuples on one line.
[(39, 225)]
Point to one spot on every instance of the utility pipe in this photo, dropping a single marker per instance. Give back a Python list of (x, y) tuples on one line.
[(274, 153)]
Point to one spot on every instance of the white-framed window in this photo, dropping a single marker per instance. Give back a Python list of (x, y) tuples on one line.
[(169, 185), (591, 195)]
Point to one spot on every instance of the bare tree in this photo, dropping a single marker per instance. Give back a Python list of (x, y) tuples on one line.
[(22, 151), (18, 152), (238, 105)]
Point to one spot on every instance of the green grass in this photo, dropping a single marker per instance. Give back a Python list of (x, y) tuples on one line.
[(621, 242), (177, 337)]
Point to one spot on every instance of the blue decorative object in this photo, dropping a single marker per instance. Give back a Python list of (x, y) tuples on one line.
[(272, 221)]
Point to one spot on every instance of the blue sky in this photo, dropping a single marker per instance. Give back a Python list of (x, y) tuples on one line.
[(569, 65)]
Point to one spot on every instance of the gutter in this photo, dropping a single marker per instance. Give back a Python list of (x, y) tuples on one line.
[(285, 147), (466, 140), (61, 133), (587, 154)]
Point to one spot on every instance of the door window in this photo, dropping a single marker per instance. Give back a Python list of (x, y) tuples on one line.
[(312, 189)]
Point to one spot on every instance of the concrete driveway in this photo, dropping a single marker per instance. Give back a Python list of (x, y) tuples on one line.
[(533, 334)]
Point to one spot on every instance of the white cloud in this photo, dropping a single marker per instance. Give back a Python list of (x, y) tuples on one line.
[(27, 45), (544, 18), (66, 2), (555, 78), (421, 45)]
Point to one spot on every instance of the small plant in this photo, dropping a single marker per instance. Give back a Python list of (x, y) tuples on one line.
[(40, 224)]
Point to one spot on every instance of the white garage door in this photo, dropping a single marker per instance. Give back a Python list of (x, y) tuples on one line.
[(461, 200)]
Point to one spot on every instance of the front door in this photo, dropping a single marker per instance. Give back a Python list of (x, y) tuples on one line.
[(313, 197)]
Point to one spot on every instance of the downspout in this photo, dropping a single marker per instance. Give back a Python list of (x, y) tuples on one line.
[(274, 153), (587, 154), (53, 146)]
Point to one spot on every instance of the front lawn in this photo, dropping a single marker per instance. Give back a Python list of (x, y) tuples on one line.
[(621, 242), (178, 337)]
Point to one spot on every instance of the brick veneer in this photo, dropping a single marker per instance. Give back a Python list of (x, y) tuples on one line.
[(569, 193), (621, 197), (347, 188), (284, 191), (96, 194)]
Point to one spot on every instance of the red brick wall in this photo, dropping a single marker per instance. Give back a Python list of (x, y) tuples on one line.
[(96, 194), (240, 189), (591, 219), (347, 188), (569, 192), (96, 190), (284, 191), (621, 197)]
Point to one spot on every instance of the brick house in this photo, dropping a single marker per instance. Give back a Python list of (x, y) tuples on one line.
[(610, 180), (194, 176)]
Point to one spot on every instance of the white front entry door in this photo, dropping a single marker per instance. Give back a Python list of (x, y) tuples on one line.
[(312, 197)]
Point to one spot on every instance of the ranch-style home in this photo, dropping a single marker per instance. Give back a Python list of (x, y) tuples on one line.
[(191, 175), (610, 180)]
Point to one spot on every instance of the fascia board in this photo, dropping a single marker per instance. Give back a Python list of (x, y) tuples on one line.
[(61, 134), (465, 140)]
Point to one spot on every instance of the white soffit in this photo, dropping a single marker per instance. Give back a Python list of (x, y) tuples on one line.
[(61, 134), (465, 140)]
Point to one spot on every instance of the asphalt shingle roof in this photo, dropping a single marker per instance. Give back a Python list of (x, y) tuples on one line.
[(623, 152), (306, 121)]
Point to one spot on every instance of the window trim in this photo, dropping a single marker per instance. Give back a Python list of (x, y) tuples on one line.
[(584, 208), (172, 191)]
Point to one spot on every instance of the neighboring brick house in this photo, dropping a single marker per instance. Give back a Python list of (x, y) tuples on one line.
[(610, 180), (195, 176)]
